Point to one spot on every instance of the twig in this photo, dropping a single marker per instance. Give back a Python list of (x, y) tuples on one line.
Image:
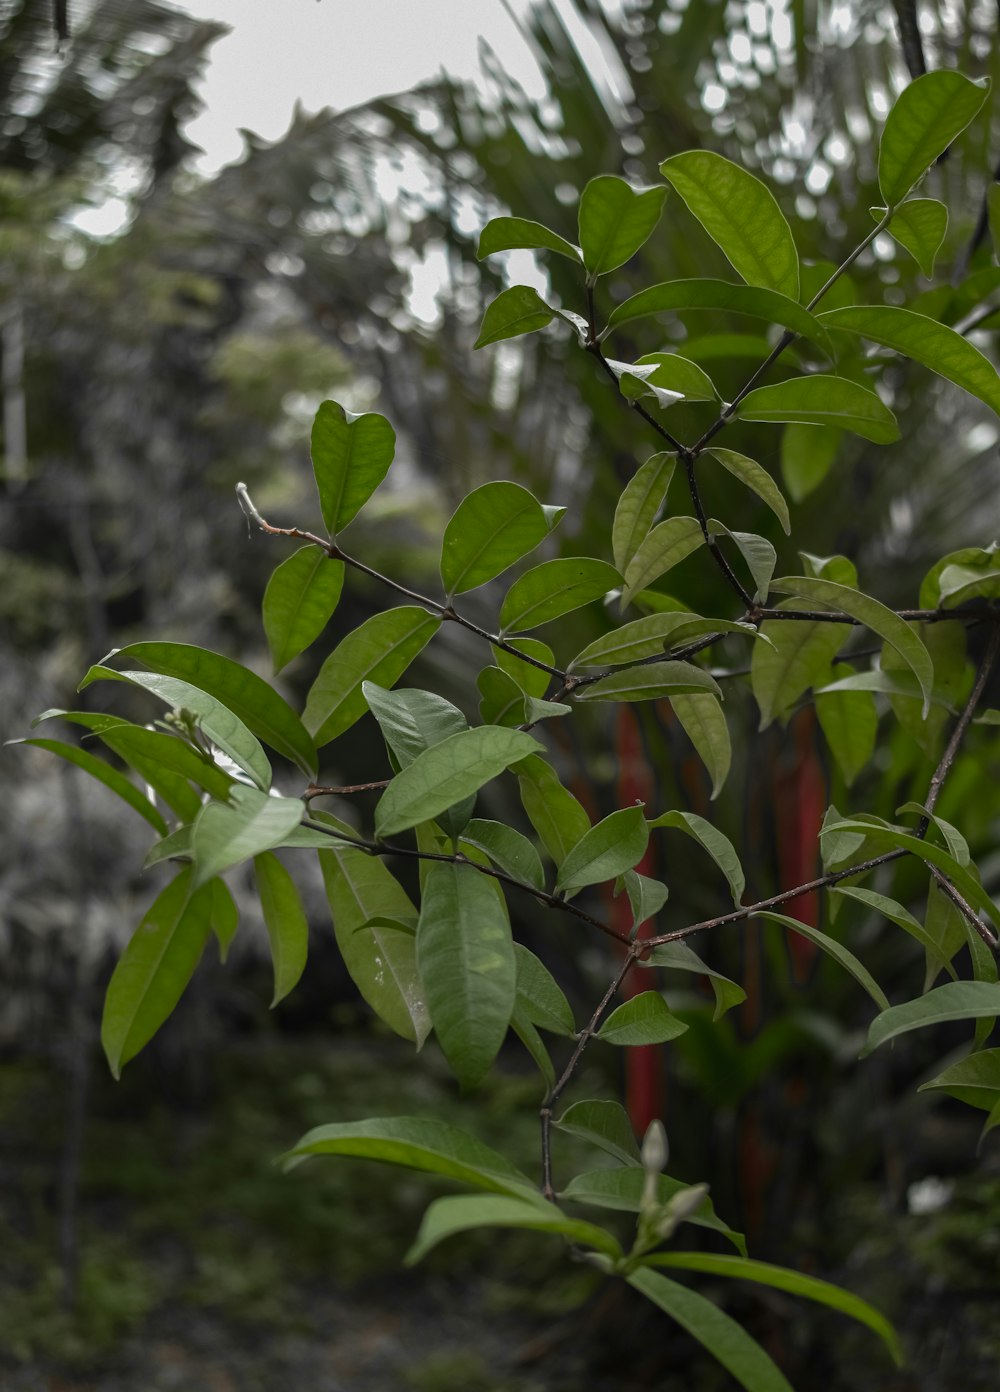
[(948, 757), (965, 909)]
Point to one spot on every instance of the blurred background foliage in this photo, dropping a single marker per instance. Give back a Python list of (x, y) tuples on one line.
[(144, 373)]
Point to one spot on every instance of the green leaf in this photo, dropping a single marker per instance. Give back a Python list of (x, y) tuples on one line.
[(642, 499), (703, 722), (952, 837), (956, 1000), (555, 588), (552, 810), (896, 913), (615, 221), (756, 478), (721, 1336), (677, 956), (622, 1189), (220, 724), (820, 399), (97, 722), (974, 1080), (873, 615), (379, 650), (808, 453), (492, 528), (924, 120), (650, 683), (666, 546), (644, 1019), (673, 296), (457, 1213), (502, 699), (154, 969), (241, 691), (607, 850), (223, 915), (715, 842), (508, 850), (104, 773), (300, 597), (533, 1042), (176, 846), (448, 772), (413, 721), (465, 955), (646, 897), (919, 226), (792, 1282), (531, 679), (515, 234), (351, 456), (419, 1144), (925, 341), (227, 833), (153, 752), (539, 995), (285, 921), (840, 954), (516, 311), (606, 1125), (757, 551), (849, 722), (676, 374), (741, 215), (381, 963), (632, 642), (798, 657)]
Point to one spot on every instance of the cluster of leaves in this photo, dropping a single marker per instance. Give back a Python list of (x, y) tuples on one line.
[(451, 963)]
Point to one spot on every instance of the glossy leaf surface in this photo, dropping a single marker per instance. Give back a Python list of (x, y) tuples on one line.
[(351, 456), (615, 221), (300, 598), (823, 400)]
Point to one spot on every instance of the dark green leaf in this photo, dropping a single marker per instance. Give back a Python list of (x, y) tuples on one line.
[(924, 120), (300, 597), (646, 897), (508, 850), (615, 221), (715, 842), (622, 1189), (606, 1125), (974, 1080), (677, 956), (539, 995), (919, 225), (820, 399), (807, 455), (515, 234), (650, 683), (516, 311), (896, 913), (223, 915), (351, 456), (673, 296), (555, 588), (749, 472), (552, 810), (379, 650), (285, 921), (956, 1000), (607, 850), (665, 546), (176, 846), (757, 551), (226, 833), (148, 750), (642, 499), (849, 722), (673, 373), (459, 1213), (704, 723), (633, 641), (837, 951), (492, 528), (104, 773), (411, 722), (502, 699), (741, 215), (532, 680), (644, 1019)]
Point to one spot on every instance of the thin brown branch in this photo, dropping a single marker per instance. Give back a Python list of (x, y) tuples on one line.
[(961, 725), (316, 790), (965, 909)]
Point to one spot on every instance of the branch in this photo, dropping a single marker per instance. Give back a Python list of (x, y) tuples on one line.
[(948, 757)]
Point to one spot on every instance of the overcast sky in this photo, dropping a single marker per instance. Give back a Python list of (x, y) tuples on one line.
[(338, 53)]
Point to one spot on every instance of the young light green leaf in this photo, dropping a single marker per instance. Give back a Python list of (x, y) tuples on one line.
[(715, 842), (622, 1189), (516, 311), (721, 1336), (448, 772), (840, 954), (673, 373), (925, 341), (104, 773), (241, 691), (741, 215), (381, 963), (650, 683), (704, 723), (615, 221), (924, 120), (301, 595), (849, 722), (673, 296), (419, 1143), (665, 546), (465, 955), (379, 650), (919, 226), (555, 588), (873, 615), (516, 234), (677, 956), (154, 969), (457, 1213), (532, 680), (607, 850), (642, 499), (493, 527), (285, 921), (539, 995), (820, 399), (351, 456), (221, 725), (896, 913), (606, 1125), (250, 822), (757, 551), (792, 1282), (974, 1080), (508, 850), (557, 816), (956, 1000), (644, 1019), (756, 478), (807, 456)]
